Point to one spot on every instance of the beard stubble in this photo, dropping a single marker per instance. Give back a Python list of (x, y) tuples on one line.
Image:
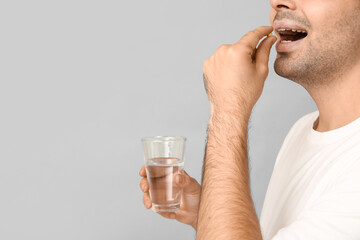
[(326, 58)]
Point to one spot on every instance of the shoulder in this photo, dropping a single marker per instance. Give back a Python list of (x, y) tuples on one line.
[(303, 125), (306, 120), (296, 133)]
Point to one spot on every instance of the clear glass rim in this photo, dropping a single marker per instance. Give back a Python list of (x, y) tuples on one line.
[(163, 139)]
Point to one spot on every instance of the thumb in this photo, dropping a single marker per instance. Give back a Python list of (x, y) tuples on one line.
[(187, 183), (263, 51)]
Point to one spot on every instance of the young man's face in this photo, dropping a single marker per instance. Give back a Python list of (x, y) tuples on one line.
[(323, 41)]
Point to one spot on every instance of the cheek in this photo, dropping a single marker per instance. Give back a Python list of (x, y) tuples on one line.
[(323, 14)]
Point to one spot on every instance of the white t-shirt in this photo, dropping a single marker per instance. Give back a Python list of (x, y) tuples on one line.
[(314, 190)]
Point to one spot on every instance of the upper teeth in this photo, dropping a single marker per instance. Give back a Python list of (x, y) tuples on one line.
[(299, 31)]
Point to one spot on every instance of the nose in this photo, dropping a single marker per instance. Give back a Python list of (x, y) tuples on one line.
[(281, 5)]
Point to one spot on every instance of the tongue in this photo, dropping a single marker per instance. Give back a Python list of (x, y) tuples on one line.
[(289, 37), (292, 36)]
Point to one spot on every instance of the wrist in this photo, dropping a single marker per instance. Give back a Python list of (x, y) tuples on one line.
[(230, 117), (230, 112)]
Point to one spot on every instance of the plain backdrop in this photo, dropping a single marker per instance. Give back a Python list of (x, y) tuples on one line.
[(81, 81)]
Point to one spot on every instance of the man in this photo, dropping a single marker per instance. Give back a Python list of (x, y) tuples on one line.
[(314, 191)]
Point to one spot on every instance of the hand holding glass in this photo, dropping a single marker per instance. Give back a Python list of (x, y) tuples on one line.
[(164, 159)]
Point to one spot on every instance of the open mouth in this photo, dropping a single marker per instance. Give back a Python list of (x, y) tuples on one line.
[(291, 35)]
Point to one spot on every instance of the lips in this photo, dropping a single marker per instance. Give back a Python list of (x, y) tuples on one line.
[(290, 35)]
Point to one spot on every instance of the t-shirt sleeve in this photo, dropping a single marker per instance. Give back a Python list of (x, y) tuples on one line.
[(335, 215)]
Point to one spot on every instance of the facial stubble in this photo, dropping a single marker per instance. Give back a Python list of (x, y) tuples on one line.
[(327, 58)]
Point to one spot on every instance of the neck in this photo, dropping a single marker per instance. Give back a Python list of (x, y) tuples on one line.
[(338, 102)]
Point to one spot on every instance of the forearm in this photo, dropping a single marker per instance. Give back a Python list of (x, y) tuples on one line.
[(226, 207)]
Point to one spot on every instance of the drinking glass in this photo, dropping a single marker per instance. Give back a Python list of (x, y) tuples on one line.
[(164, 159)]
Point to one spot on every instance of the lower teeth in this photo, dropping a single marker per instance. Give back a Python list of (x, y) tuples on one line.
[(285, 41)]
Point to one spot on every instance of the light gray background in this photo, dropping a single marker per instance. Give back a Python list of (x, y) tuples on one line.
[(82, 81)]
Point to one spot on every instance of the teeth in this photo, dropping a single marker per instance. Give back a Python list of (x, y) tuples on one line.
[(284, 29), (285, 41)]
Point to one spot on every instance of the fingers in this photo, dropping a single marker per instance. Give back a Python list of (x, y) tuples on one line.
[(144, 185), (142, 172), (187, 183), (263, 52), (253, 37), (146, 200)]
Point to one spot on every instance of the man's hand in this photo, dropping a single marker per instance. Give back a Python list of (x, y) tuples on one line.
[(235, 74), (234, 79), (190, 198)]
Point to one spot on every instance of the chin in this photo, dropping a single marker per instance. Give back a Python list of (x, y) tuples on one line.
[(301, 74), (284, 69), (291, 70)]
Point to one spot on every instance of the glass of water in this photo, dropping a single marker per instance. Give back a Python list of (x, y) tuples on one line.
[(164, 158)]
